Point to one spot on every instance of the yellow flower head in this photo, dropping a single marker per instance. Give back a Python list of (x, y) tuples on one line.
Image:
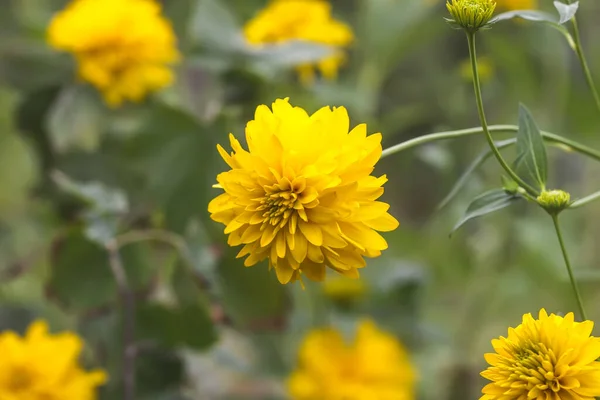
[(471, 15), (303, 195), (41, 366), (510, 5), (311, 20), (548, 358), (374, 366), (122, 47)]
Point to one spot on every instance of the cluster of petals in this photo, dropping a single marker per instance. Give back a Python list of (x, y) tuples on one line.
[(125, 48), (43, 366), (549, 358), (374, 366), (286, 20), (302, 195)]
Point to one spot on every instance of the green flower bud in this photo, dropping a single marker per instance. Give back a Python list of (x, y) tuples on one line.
[(554, 201), (471, 15)]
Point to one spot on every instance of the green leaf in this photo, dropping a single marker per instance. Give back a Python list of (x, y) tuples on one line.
[(75, 120), (538, 16), (81, 279), (566, 11), (475, 164), (486, 203), (531, 151), (214, 25), (189, 325), (252, 297)]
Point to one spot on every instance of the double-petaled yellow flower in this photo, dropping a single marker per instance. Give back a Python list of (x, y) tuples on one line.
[(302, 195), (551, 358), (42, 366), (374, 366), (310, 20), (123, 47)]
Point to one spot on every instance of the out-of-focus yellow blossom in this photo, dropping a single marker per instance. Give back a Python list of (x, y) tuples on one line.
[(122, 47), (374, 366), (343, 289), (310, 20), (485, 67), (548, 358), (510, 5), (42, 366), (303, 196)]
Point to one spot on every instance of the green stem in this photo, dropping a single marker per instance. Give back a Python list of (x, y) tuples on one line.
[(568, 265), (583, 60), (477, 86), (585, 200), (550, 137)]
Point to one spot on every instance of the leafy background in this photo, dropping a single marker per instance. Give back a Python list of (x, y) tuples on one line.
[(75, 175)]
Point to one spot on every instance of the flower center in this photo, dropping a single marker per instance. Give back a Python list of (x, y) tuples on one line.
[(20, 379), (534, 368), (280, 200)]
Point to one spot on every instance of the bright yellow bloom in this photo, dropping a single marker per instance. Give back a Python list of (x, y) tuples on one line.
[(122, 47), (509, 5), (303, 195), (375, 366), (551, 358), (310, 20), (342, 289), (42, 366)]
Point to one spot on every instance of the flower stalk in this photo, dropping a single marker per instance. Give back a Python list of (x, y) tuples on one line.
[(477, 87), (565, 254)]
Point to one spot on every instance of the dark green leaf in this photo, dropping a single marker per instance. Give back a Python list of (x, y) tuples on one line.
[(80, 277), (566, 11), (464, 178), (238, 284), (189, 325), (531, 151), (486, 203)]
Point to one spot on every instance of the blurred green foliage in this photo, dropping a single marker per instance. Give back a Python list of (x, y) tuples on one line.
[(76, 175)]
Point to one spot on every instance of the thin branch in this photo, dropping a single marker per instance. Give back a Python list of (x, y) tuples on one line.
[(128, 302)]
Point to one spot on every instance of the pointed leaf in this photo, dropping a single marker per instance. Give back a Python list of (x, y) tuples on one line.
[(486, 203), (538, 16), (530, 148), (464, 178), (566, 11)]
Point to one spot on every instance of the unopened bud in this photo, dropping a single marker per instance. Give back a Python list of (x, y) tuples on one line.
[(471, 15), (554, 201)]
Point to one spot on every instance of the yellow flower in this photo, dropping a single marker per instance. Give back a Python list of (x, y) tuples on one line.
[(41, 366), (343, 289), (551, 358), (374, 366), (122, 47), (509, 5), (310, 20), (303, 195)]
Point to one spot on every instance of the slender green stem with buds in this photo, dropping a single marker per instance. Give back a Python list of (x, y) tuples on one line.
[(433, 137), (477, 86), (585, 200), (583, 60), (568, 265)]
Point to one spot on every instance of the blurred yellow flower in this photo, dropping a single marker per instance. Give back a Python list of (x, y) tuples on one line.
[(485, 67), (374, 366), (303, 195), (42, 366), (311, 20), (122, 47), (343, 289), (548, 358), (509, 5)]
